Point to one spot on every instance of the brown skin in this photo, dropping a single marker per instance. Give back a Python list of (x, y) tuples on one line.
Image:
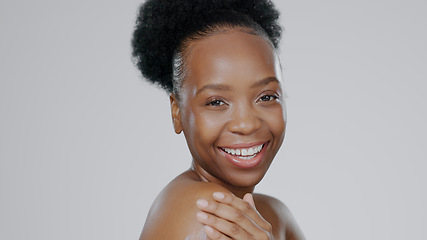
[(231, 98)]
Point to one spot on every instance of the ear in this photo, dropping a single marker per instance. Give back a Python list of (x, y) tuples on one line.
[(176, 114)]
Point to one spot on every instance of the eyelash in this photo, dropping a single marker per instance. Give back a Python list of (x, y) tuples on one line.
[(220, 102), (271, 98), (215, 103)]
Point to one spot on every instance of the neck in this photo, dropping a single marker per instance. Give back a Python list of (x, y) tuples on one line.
[(204, 176)]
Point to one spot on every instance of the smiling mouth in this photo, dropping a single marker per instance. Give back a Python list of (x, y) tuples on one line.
[(244, 153)]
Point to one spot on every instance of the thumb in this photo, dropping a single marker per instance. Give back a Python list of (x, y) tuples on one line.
[(249, 199)]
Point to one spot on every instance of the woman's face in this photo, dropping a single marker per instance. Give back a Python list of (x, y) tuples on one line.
[(232, 110)]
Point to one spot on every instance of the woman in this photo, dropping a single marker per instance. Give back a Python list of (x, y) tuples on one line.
[(218, 61)]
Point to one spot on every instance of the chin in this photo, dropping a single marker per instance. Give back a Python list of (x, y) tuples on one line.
[(246, 178)]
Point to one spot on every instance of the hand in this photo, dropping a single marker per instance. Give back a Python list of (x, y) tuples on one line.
[(229, 217)]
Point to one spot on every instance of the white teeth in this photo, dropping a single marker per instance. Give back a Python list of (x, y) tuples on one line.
[(244, 153), (251, 151)]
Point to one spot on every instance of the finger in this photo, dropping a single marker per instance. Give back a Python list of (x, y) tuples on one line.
[(230, 214), (214, 234), (249, 199), (244, 206), (223, 226)]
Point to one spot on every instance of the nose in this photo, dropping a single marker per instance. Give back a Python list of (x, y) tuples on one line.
[(244, 120)]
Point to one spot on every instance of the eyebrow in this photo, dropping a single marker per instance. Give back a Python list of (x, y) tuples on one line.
[(264, 81), (214, 86), (225, 87)]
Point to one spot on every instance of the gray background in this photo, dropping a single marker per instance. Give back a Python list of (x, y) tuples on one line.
[(85, 145)]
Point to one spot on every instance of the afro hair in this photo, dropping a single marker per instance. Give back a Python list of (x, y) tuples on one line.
[(163, 25)]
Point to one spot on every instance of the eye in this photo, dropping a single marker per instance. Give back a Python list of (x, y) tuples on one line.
[(216, 102), (267, 98)]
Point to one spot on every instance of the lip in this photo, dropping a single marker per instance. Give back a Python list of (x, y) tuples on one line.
[(244, 145), (249, 163)]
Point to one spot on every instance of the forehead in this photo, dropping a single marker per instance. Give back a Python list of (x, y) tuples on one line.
[(229, 56)]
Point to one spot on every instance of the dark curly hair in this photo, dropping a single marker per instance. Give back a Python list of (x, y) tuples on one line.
[(164, 29)]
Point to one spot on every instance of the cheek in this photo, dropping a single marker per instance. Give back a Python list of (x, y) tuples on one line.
[(203, 127), (276, 121), (210, 126)]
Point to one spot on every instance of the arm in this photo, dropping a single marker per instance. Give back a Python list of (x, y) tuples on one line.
[(229, 217), (279, 216), (173, 214)]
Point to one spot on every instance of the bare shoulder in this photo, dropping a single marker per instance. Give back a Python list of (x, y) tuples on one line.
[(279, 216), (173, 213)]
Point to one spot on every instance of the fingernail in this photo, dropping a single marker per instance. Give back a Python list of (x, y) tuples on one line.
[(202, 216), (219, 195), (202, 203)]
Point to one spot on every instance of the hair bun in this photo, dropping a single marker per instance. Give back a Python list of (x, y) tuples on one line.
[(161, 25)]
